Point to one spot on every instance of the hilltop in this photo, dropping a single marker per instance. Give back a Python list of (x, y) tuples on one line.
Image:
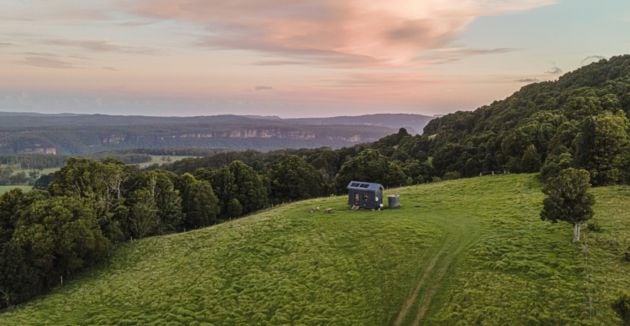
[(470, 250)]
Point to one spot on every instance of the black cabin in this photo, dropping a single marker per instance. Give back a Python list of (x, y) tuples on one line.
[(365, 195)]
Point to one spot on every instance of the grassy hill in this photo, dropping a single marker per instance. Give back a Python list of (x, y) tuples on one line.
[(472, 251)]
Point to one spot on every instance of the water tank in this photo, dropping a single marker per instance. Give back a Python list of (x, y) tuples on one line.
[(393, 201)]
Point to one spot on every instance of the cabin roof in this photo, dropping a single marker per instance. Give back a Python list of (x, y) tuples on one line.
[(362, 185)]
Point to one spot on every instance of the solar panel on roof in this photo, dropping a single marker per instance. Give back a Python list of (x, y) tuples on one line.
[(364, 185), (354, 185)]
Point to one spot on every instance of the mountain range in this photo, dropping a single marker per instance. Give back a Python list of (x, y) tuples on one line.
[(73, 134)]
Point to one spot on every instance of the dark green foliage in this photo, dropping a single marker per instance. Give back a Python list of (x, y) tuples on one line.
[(622, 308), (142, 219), (239, 181), (590, 101), (568, 199), (166, 198), (417, 172), (43, 182), (554, 164), (453, 175), (200, 205), (234, 208), (594, 227), (60, 235), (19, 281), (12, 204), (370, 166), (293, 179), (531, 160), (600, 144)]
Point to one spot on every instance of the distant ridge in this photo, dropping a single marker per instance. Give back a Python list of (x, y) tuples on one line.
[(414, 123), (72, 134)]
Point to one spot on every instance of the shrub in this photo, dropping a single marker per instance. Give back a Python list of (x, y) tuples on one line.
[(622, 308), (594, 227), (452, 175)]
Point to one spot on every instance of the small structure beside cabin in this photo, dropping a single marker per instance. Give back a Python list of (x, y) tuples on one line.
[(365, 195)]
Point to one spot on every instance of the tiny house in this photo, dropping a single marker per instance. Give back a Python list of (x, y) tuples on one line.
[(365, 195)]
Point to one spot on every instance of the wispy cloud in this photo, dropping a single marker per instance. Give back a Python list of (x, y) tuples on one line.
[(448, 55), (47, 62), (5, 44), (261, 88), (381, 80), (332, 31), (528, 80), (101, 46), (280, 63)]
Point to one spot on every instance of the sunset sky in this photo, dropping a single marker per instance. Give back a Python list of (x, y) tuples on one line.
[(293, 57)]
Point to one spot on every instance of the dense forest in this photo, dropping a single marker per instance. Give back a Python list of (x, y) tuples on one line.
[(88, 206)]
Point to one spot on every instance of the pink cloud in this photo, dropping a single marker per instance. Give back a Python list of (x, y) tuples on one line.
[(332, 31)]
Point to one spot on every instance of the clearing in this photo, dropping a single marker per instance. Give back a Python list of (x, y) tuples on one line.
[(472, 251)]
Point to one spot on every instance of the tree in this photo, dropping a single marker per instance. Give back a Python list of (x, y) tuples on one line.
[(568, 199), (249, 187), (102, 184), (240, 181), (12, 204), (293, 179), (554, 164), (60, 235), (530, 161), (418, 172), (234, 208), (143, 219), (167, 199), (199, 203), (371, 166), (19, 281), (600, 144)]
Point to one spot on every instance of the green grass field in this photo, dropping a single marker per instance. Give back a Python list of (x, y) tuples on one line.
[(4, 189), (163, 159), (460, 252)]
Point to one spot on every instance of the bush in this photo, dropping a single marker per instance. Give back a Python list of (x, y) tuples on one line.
[(594, 227), (622, 308), (452, 175)]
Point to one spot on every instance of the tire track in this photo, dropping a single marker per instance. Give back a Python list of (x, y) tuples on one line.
[(434, 286), (411, 299)]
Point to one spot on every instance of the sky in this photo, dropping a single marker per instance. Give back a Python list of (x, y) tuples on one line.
[(293, 58)]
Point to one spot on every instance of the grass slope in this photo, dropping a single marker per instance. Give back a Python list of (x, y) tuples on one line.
[(469, 251)]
